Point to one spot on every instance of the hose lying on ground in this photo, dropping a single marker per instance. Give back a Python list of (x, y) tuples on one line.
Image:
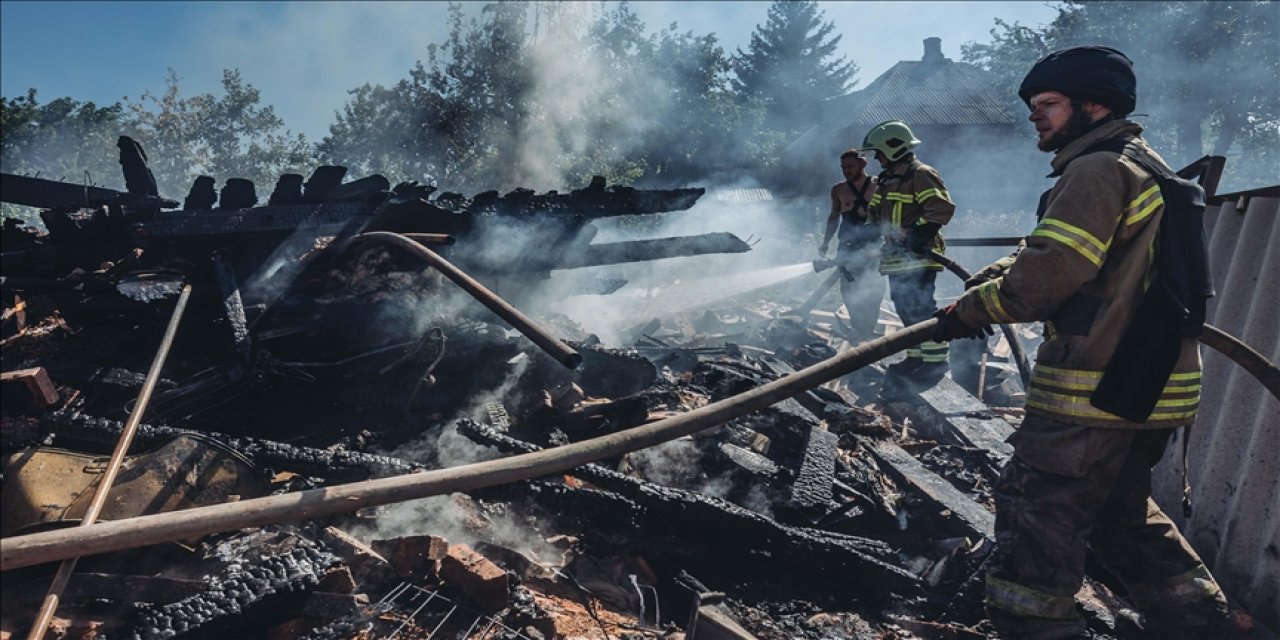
[(48, 546)]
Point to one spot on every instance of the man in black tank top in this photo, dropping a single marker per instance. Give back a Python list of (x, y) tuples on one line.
[(861, 286)]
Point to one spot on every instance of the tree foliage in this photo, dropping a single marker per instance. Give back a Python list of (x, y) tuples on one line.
[(1208, 73), (62, 138), (790, 66), (587, 92), (227, 135)]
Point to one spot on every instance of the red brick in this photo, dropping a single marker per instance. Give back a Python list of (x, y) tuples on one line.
[(481, 581)]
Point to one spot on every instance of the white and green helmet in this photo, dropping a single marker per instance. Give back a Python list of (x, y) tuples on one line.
[(893, 138)]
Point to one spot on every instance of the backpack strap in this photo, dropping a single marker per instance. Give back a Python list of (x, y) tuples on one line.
[(860, 196)]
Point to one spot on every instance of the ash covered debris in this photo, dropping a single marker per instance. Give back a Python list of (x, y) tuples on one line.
[(310, 359)]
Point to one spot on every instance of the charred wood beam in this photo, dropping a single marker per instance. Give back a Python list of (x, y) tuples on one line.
[(973, 520), (53, 194), (593, 201), (948, 413), (238, 589), (233, 306), (812, 486), (337, 465), (685, 514), (272, 219), (654, 249)]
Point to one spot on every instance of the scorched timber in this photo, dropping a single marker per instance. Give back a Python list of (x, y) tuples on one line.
[(333, 465), (52, 194), (677, 519), (655, 249)]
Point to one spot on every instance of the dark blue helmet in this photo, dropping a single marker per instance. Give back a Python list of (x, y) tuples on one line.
[(1096, 74)]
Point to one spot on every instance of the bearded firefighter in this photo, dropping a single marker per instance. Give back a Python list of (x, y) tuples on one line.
[(1115, 376)]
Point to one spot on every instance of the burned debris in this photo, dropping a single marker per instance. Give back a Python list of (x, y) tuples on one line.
[(334, 337)]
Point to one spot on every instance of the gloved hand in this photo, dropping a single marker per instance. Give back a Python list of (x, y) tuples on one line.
[(990, 272), (951, 327), (919, 238)]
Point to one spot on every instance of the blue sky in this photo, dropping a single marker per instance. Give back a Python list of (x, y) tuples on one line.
[(305, 56)]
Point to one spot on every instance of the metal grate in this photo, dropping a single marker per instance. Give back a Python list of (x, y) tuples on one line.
[(431, 616)]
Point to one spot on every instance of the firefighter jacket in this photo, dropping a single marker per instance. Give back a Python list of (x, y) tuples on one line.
[(906, 200), (1083, 272)]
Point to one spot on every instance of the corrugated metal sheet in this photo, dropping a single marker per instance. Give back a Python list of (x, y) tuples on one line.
[(742, 195), (1234, 461), (933, 93)]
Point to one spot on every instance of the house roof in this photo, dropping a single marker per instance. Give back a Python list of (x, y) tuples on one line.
[(932, 91), (928, 92)]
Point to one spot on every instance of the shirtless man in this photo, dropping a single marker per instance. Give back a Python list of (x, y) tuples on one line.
[(861, 287)]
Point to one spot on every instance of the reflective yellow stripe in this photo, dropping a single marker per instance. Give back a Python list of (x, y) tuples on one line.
[(1044, 370), (897, 214), (1084, 235), (897, 196), (935, 351), (1025, 601), (989, 294), (1135, 218), (1091, 248), (934, 192), (1137, 202), (875, 199), (1079, 406), (1066, 392)]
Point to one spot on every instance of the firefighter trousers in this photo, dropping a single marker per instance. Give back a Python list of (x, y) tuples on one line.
[(912, 295), (1069, 488)]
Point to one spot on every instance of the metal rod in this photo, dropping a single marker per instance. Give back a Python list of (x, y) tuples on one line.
[(563, 353), (60, 579), (1007, 241), (1015, 345), (48, 546)]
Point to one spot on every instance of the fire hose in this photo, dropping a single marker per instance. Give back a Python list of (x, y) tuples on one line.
[(48, 546), (1010, 336), (1228, 345)]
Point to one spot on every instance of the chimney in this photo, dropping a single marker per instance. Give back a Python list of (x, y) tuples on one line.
[(933, 50)]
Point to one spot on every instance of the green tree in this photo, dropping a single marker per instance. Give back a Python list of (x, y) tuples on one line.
[(1208, 73), (230, 135), (61, 139), (590, 92), (453, 118), (790, 66)]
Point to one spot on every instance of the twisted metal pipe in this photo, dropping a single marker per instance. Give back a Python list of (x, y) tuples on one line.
[(554, 347)]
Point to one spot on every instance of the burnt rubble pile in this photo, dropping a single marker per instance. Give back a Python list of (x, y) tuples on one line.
[(311, 357)]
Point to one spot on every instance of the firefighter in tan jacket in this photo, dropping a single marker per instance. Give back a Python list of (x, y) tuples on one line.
[(910, 205), (1081, 476)]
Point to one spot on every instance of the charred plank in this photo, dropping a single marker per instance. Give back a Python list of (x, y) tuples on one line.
[(653, 249)]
